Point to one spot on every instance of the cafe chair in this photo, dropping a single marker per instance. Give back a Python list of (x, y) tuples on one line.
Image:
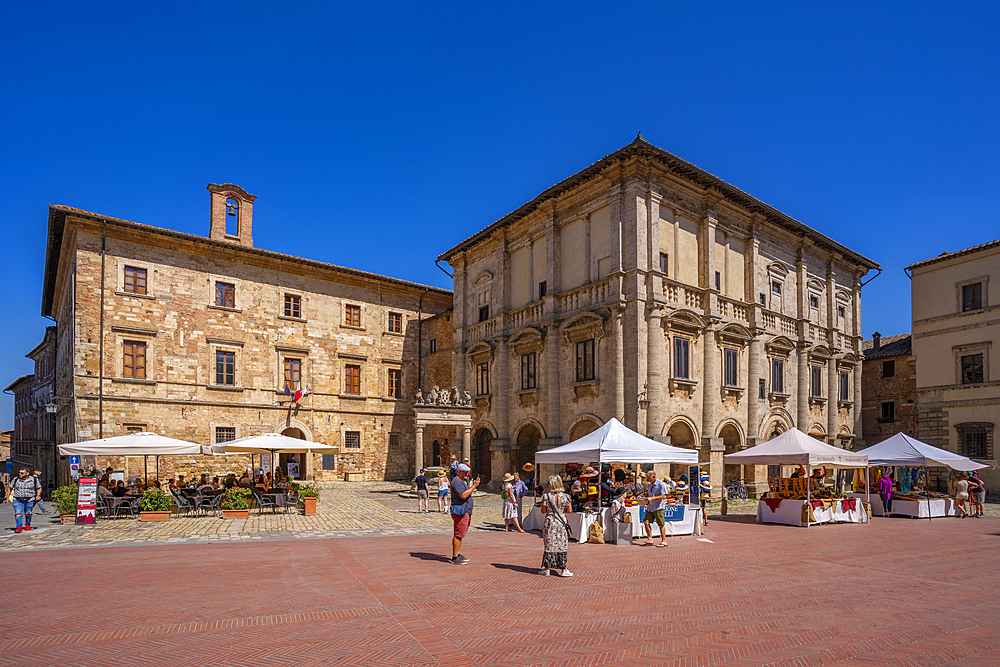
[(263, 502)]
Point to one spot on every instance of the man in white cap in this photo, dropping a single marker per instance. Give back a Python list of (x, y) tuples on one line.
[(461, 510)]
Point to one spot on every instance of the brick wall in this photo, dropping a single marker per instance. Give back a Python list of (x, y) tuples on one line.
[(900, 389)]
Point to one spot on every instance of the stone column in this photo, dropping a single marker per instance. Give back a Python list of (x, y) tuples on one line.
[(618, 367), (418, 452), (755, 369), (833, 391), (467, 442), (858, 442), (655, 375), (802, 388), (711, 385), (501, 390), (553, 381)]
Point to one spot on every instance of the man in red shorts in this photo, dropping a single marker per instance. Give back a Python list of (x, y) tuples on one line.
[(461, 510)]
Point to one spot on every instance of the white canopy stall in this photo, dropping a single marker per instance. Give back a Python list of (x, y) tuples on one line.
[(134, 444), (904, 451), (793, 447), (611, 443)]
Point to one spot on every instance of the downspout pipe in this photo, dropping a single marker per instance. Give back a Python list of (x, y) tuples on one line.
[(100, 361)]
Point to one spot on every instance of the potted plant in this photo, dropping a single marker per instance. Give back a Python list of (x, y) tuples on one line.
[(154, 506), (64, 498), (309, 495), (234, 503)]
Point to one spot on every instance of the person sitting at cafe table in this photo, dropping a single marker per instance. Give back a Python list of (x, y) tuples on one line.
[(103, 491), (215, 482), (172, 486), (205, 486), (119, 490), (245, 481), (283, 482), (180, 482)]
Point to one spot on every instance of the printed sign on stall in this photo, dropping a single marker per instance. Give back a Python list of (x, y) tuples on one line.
[(673, 512), (694, 486), (86, 500)]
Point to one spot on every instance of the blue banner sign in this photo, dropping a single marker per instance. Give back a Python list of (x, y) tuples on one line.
[(673, 512)]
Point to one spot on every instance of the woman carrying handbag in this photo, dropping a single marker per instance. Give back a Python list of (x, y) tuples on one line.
[(555, 530)]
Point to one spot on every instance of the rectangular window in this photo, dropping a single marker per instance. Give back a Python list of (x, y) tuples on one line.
[(974, 444), (845, 384), (329, 462), (816, 381), (434, 344), (718, 280), (352, 439), (135, 280), (776, 288), (225, 433), (888, 411), (528, 370), (132, 429), (813, 302), (664, 262), (393, 441), (482, 379), (225, 368), (730, 372), (352, 379), (682, 349), (396, 322), (352, 315), (972, 369), (293, 374), (889, 368), (972, 297), (763, 299), (840, 311), (225, 295), (484, 313), (585, 360), (293, 306), (778, 376), (542, 289), (395, 381), (134, 360)]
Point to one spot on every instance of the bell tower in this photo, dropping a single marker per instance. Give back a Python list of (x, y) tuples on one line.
[(232, 214)]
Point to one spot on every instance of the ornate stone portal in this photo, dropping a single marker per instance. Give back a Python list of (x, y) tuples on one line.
[(444, 408)]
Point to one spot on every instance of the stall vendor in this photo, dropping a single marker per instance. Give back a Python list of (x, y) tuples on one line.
[(817, 479), (801, 472)]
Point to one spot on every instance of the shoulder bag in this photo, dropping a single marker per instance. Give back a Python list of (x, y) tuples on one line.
[(555, 512)]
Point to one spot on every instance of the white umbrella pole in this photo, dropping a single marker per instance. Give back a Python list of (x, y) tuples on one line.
[(926, 478), (868, 490)]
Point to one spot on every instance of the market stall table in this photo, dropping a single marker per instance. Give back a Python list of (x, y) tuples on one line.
[(789, 511), (920, 509), (579, 522)]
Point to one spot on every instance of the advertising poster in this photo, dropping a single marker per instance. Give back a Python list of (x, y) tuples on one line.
[(694, 486), (86, 500)]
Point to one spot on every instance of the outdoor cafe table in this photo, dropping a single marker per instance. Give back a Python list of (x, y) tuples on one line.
[(277, 498)]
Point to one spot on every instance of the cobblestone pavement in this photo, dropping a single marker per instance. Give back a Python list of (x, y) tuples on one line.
[(344, 510), (890, 593)]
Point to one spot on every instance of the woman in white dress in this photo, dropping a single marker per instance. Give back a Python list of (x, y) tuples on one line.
[(509, 504)]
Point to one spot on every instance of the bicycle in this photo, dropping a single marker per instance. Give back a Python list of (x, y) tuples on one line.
[(736, 489)]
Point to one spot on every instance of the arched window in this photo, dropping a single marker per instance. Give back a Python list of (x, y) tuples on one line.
[(232, 217)]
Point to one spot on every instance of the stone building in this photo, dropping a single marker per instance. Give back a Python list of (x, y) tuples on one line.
[(33, 443), (23, 433), (888, 388), (207, 339), (956, 345), (646, 289)]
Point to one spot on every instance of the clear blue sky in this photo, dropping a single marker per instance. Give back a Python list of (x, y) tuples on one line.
[(378, 135)]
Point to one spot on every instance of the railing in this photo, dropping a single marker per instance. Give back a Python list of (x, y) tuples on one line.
[(683, 295), (583, 297), (788, 326), (481, 330), (531, 313), (733, 309)]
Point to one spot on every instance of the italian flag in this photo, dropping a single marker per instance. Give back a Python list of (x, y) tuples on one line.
[(298, 391)]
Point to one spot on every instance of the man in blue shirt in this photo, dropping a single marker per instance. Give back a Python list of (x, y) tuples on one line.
[(520, 491), (656, 493), (461, 510)]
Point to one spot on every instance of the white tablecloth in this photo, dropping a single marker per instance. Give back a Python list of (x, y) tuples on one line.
[(789, 512), (922, 509), (579, 523)]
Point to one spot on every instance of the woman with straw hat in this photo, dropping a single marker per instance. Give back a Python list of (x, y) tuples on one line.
[(509, 504), (443, 488)]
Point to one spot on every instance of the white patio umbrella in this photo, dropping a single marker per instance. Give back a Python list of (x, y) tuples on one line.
[(134, 444), (275, 443)]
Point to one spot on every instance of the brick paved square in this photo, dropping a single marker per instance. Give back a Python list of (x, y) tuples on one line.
[(897, 592)]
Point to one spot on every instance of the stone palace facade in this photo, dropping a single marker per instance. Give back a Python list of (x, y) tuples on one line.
[(646, 289)]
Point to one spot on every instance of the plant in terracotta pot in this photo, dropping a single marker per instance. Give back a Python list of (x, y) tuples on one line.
[(154, 506), (64, 498), (309, 495), (234, 503)]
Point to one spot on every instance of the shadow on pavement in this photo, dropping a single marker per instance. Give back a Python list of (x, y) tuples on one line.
[(426, 556), (515, 568)]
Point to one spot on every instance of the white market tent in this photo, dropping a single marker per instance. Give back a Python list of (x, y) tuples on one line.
[(793, 447), (614, 442), (134, 444), (274, 443), (902, 450)]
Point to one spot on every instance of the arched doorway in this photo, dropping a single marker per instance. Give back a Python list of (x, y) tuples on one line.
[(528, 439), (581, 429), (732, 441), (293, 465), (435, 453), (681, 435), (479, 457)]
